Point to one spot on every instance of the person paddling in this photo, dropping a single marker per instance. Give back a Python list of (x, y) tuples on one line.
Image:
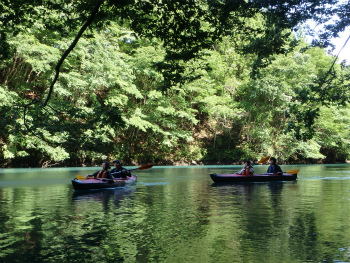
[(274, 168), (247, 169), (118, 171), (102, 174)]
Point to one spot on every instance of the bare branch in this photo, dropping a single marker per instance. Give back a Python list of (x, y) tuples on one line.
[(57, 68), (71, 47)]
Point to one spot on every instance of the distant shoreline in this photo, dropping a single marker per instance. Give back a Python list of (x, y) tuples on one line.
[(177, 163)]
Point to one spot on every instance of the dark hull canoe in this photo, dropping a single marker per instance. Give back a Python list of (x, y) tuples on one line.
[(238, 178), (93, 183)]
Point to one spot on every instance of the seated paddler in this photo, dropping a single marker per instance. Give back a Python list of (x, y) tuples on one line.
[(274, 168), (118, 171), (247, 169), (102, 174)]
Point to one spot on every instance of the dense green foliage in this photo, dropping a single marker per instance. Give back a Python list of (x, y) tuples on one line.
[(202, 91)]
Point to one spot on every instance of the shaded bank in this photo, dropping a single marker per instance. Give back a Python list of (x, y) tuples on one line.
[(33, 163)]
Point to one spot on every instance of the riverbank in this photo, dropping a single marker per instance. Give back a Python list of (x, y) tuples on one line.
[(97, 163)]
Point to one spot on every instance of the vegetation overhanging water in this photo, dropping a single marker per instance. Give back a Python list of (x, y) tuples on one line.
[(202, 82)]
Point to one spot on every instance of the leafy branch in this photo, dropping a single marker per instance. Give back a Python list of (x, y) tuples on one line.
[(60, 62)]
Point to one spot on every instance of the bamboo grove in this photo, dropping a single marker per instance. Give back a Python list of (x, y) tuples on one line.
[(131, 92)]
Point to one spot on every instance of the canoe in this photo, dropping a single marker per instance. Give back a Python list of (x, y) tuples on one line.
[(93, 183), (237, 178)]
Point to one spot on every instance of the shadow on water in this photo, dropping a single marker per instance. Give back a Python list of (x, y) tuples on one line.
[(272, 185), (116, 195), (87, 194), (247, 188)]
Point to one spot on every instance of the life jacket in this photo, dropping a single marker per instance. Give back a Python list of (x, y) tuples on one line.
[(247, 171), (102, 174)]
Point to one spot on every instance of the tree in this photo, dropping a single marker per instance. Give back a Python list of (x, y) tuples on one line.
[(185, 29)]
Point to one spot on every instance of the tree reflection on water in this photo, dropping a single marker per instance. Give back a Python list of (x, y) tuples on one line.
[(178, 215)]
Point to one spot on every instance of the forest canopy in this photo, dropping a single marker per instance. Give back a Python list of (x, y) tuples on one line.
[(170, 82)]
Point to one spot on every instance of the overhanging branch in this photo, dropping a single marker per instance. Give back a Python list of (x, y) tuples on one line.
[(71, 47)]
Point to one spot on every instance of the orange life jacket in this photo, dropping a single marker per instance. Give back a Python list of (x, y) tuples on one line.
[(247, 171), (102, 174)]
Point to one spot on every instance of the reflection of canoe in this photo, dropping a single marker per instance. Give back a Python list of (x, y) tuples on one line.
[(93, 183), (232, 178)]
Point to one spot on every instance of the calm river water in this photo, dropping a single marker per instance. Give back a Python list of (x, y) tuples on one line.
[(176, 214)]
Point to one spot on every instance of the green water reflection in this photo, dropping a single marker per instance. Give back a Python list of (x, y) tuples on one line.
[(176, 214)]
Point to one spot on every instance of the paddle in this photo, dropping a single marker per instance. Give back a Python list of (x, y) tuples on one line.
[(261, 161), (80, 177), (264, 160), (295, 171), (143, 167)]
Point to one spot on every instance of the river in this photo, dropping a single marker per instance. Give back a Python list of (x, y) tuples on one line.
[(176, 214)]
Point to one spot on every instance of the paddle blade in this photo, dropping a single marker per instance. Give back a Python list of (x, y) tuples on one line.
[(80, 177), (264, 160), (145, 167), (295, 171)]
